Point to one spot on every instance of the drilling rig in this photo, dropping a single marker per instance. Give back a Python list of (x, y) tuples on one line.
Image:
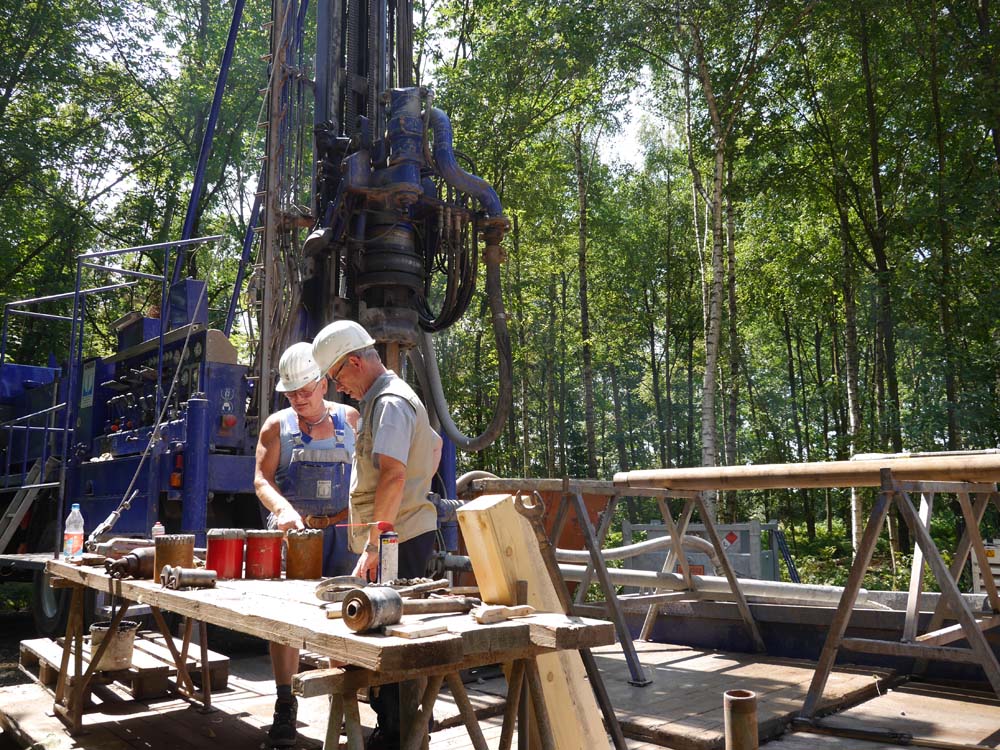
[(363, 211), (387, 228)]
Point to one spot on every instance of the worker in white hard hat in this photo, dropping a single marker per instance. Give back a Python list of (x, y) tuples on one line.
[(396, 455), (302, 476)]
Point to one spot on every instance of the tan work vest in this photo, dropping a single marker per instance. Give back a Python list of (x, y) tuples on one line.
[(417, 514)]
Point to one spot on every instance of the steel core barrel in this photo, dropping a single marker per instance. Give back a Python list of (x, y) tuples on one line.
[(372, 607), (225, 552)]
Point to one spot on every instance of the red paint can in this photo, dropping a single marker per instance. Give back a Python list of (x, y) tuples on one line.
[(264, 553), (225, 552)]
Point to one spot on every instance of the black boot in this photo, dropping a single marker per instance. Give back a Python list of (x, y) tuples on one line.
[(282, 732), (381, 740)]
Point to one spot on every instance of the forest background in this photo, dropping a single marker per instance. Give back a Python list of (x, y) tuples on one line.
[(800, 267)]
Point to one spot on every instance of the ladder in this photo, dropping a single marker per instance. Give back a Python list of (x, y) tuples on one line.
[(786, 554), (25, 496)]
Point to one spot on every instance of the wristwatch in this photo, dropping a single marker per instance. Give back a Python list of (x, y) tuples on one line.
[(371, 547)]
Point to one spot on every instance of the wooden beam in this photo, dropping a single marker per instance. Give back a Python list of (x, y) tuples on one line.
[(503, 550), (954, 632), (951, 468), (914, 650)]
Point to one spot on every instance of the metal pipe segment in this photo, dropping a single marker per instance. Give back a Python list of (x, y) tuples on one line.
[(864, 473), (800, 592), (633, 550)]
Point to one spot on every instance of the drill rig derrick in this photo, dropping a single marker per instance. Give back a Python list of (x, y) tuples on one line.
[(397, 221)]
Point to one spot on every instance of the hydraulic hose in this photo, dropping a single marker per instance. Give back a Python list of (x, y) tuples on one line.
[(463, 482), (696, 543), (506, 389), (454, 175)]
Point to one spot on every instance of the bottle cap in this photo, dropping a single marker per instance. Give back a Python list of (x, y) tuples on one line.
[(383, 526), (75, 506)]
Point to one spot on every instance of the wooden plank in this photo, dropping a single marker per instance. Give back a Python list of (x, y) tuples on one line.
[(914, 650), (416, 629), (812, 741), (287, 621), (155, 645), (486, 614), (945, 716), (503, 550), (955, 632), (146, 678), (968, 468), (917, 571)]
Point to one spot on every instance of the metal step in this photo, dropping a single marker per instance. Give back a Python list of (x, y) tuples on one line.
[(20, 503)]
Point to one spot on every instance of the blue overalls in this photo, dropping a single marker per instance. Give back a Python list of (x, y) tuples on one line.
[(315, 477)]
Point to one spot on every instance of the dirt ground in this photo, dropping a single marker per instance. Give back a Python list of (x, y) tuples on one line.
[(14, 627)]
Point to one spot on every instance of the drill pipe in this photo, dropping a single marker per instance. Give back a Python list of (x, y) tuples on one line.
[(176, 577), (718, 585)]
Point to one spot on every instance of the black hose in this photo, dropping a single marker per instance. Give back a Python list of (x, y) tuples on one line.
[(505, 396)]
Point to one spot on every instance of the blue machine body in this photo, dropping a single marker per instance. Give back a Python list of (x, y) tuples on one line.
[(196, 473)]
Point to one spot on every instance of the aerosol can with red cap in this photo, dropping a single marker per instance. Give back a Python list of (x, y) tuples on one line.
[(388, 553)]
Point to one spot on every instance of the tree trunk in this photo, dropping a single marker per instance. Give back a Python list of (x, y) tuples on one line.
[(563, 456), (733, 391), (650, 303), (990, 60), (690, 399), (550, 385), (588, 372), (523, 353), (709, 428), (808, 500), (942, 200), (623, 462), (821, 390)]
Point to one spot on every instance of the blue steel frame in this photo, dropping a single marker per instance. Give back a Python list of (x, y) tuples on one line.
[(75, 360)]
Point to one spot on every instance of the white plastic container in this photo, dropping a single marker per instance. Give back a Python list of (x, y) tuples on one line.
[(73, 534)]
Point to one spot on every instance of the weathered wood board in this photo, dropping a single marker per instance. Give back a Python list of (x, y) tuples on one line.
[(808, 741), (929, 712), (682, 708), (503, 550), (259, 608)]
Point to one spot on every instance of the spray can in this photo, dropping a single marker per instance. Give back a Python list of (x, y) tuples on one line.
[(388, 554)]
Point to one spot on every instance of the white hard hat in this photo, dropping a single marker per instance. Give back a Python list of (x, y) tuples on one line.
[(297, 368), (338, 339)]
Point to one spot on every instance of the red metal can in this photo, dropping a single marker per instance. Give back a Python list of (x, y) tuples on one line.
[(264, 553), (225, 552)]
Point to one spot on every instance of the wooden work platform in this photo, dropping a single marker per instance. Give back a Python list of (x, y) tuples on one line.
[(149, 676), (930, 714), (682, 708), (241, 719), (289, 613)]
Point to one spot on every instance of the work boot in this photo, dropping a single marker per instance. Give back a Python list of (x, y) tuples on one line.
[(379, 740), (282, 732)]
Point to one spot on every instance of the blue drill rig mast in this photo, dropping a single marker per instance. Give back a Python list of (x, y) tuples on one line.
[(385, 228)]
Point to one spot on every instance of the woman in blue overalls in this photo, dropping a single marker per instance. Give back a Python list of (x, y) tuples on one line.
[(302, 476)]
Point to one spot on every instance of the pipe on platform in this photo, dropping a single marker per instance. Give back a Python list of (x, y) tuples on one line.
[(952, 468), (740, 719), (463, 482), (690, 541), (806, 593)]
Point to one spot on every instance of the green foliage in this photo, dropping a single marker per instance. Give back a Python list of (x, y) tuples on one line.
[(861, 174), (15, 597)]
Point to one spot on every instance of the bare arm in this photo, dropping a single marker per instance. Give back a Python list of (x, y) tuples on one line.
[(352, 415), (265, 466), (388, 498)]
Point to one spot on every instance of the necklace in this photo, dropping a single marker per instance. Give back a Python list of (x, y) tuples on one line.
[(309, 425)]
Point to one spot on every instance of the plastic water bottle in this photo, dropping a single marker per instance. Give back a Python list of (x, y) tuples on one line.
[(158, 530), (73, 534)]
